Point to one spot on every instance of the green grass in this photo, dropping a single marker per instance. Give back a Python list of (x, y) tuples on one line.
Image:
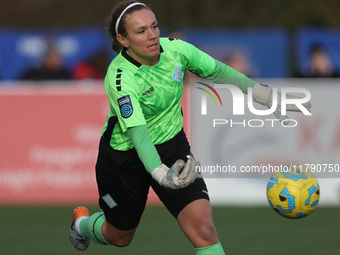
[(242, 230)]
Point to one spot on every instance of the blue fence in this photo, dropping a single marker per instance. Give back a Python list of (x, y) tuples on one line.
[(267, 53), (264, 51), (21, 49)]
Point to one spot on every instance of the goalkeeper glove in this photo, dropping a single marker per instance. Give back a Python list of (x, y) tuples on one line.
[(263, 94), (179, 175)]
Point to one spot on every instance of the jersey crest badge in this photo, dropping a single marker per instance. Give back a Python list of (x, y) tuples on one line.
[(125, 106), (177, 76)]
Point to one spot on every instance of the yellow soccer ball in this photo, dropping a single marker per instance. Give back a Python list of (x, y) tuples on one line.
[(293, 193)]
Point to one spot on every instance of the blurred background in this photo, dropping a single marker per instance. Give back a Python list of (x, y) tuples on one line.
[(53, 59), (279, 38)]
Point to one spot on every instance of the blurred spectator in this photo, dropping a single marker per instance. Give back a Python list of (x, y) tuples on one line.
[(241, 63), (319, 64), (51, 68), (93, 69)]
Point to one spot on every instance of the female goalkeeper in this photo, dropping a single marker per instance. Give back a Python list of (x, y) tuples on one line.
[(143, 142)]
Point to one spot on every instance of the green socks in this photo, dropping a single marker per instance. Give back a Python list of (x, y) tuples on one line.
[(215, 249), (91, 227)]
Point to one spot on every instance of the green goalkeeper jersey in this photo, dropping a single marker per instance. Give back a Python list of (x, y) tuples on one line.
[(140, 94)]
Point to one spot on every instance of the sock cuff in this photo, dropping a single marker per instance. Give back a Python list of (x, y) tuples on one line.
[(97, 228), (215, 249), (91, 227)]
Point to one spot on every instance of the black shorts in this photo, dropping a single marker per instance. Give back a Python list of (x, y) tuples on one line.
[(123, 183)]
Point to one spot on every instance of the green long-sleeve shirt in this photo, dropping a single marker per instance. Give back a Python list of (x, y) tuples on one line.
[(151, 95)]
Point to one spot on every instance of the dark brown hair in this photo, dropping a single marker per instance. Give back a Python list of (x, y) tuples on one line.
[(111, 23)]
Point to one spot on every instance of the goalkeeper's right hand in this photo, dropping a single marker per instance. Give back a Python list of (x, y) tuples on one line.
[(263, 94), (178, 176)]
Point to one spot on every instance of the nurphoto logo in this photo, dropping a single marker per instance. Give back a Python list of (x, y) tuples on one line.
[(280, 101)]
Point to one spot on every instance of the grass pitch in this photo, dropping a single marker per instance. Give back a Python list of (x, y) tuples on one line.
[(242, 230)]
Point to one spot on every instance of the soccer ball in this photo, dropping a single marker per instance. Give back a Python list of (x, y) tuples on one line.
[(293, 192)]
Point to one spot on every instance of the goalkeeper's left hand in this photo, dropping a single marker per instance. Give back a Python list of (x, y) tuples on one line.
[(180, 175), (189, 173), (263, 94)]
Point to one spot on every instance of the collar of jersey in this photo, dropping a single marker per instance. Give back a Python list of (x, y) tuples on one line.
[(133, 61)]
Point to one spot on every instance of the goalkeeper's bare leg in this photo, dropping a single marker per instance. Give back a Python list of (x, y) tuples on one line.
[(195, 220), (197, 224), (116, 237)]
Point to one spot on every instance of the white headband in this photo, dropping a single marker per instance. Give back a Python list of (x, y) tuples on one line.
[(121, 15)]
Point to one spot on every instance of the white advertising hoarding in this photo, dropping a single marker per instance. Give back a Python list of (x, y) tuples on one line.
[(239, 150)]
